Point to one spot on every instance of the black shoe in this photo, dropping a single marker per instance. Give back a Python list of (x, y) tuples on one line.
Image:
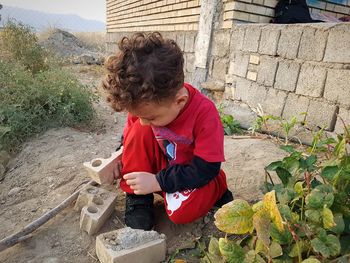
[(225, 198), (139, 211)]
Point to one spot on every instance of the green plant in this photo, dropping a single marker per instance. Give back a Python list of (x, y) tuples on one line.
[(230, 125), (303, 218), (261, 121), (22, 43), (30, 104)]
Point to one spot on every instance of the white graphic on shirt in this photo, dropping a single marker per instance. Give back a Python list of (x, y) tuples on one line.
[(174, 200)]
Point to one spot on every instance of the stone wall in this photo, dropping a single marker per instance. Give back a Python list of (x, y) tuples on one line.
[(287, 69)]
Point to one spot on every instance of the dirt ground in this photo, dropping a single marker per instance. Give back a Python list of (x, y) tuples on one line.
[(49, 169)]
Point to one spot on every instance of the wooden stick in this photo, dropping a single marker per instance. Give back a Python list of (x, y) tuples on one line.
[(23, 234)]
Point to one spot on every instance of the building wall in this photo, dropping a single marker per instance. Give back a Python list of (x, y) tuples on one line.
[(287, 69), (152, 15)]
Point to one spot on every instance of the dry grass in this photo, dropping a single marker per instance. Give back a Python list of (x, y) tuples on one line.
[(96, 40)]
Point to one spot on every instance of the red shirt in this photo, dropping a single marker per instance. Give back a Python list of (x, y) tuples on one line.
[(197, 130)]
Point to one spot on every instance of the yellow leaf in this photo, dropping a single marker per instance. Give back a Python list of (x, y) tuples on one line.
[(271, 206)]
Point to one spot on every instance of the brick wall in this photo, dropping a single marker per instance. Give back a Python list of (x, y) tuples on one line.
[(152, 15), (287, 69)]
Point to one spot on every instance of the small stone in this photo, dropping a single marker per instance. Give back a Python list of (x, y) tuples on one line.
[(14, 191), (4, 158), (2, 172), (2, 201)]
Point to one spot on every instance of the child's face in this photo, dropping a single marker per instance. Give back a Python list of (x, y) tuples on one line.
[(161, 114)]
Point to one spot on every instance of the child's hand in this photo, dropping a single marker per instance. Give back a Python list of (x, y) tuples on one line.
[(142, 182), (117, 171)]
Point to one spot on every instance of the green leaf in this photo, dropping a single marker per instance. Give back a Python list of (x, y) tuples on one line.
[(213, 247), (232, 252), (235, 217), (285, 211), (288, 148), (314, 216), (291, 164), (329, 173), (319, 197), (299, 189), (327, 245), (302, 245), (275, 250), (261, 248), (252, 257), (311, 260), (283, 174), (339, 224), (210, 258), (284, 238), (274, 165), (262, 222), (328, 219), (282, 259), (345, 245)]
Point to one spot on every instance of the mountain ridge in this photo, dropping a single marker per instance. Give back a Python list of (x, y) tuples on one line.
[(41, 21)]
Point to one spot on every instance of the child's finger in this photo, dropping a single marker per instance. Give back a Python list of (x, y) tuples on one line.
[(129, 176), (131, 182)]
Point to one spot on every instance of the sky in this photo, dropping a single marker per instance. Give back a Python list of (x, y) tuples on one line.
[(90, 9)]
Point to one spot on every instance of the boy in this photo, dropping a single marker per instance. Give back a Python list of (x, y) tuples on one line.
[(173, 139)]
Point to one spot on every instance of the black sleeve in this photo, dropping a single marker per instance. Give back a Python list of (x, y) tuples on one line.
[(194, 175)]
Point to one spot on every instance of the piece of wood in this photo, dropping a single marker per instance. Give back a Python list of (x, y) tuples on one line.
[(21, 235)]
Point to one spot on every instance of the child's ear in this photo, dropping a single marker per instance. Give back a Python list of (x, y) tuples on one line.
[(182, 96)]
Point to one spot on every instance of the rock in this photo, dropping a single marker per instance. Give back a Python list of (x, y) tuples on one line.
[(2, 172), (4, 158), (14, 191), (214, 85)]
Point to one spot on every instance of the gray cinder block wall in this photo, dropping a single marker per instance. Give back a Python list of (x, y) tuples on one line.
[(287, 69)]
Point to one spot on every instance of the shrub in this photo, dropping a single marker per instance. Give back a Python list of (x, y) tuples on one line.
[(22, 43), (304, 218), (32, 104)]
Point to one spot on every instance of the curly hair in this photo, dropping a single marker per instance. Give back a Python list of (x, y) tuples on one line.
[(147, 68)]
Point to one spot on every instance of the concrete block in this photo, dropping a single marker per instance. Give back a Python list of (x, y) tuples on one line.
[(254, 59), (180, 40), (338, 44), (190, 62), (311, 80), (345, 115), (129, 245), (96, 206), (321, 114), (250, 92), (101, 170), (288, 45), (220, 68), (294, 106), (287, 75), (269, 40), (252, 75), (274, 102), (267, 71), (239, 65), (221, 43), (312, 44), (190, 42), (338, 86), (237, 38), (251, 39)]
